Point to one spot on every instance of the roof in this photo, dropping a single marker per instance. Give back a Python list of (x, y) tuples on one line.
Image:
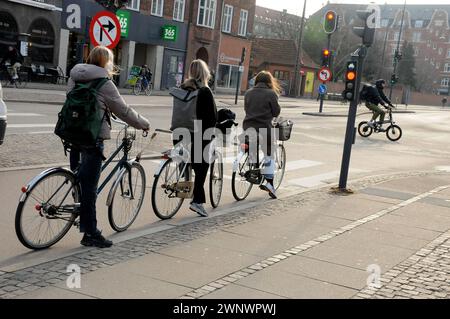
[(276, 51)]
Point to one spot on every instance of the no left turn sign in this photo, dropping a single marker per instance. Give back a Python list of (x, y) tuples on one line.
[(105, 29)]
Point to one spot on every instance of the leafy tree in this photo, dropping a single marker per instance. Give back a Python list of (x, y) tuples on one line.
[(314, 38), (407, 66)]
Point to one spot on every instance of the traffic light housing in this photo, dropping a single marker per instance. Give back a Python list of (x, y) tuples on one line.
[(113, 5), (363, 29), (394, 79), (330, 22), (351, 76), (326, 55)]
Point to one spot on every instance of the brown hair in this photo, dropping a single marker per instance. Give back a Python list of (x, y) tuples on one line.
[(199, 72), (103, 57), (267, 78)]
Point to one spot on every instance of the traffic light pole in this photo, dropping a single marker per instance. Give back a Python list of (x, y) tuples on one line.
[(329, 65), (238, 85), (350, 134)]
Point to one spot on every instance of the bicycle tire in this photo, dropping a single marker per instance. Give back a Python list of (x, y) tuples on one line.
[(280, 166), (175, 202), (22, 208), (246, 186), (137, 88), (149, 89), (364, 129), (216, 182), (394, 133), (123, 188)]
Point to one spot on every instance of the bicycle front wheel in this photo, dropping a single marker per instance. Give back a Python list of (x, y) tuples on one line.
[(165, 202), (137, 88), (280, 166), (48, 209), (149, 89), (240, 187), (216, 182), (20, 83), (127, 197)]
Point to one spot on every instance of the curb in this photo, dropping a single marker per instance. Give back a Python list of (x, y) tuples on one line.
[(317, 114)]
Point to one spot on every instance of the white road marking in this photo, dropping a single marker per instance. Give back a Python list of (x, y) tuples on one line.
[(30, 125), (318, 180), (25, 114)]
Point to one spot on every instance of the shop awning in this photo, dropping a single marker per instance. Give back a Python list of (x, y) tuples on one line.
[(37, 4)]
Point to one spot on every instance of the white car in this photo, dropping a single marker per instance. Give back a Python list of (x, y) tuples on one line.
[(3, 111)]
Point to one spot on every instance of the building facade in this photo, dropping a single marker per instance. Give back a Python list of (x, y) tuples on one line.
[(219, 30), (273, 24)]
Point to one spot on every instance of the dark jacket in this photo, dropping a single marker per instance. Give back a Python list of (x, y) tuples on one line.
[(261, 106), (206, 106), (375, 95), (13, 57)]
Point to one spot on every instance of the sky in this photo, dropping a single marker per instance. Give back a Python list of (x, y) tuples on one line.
[(296, 6)]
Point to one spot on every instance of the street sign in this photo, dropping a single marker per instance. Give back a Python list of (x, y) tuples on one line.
[(241, 69), (105, 29), (170, 33), (124, 19), (323, 89), (324, 74)]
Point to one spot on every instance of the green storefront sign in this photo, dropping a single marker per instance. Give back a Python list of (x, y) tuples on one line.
[(170, 32), (124, 19)]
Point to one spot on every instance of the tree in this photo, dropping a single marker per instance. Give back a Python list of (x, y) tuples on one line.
[(314, 38), (407, 66), (426, 76)]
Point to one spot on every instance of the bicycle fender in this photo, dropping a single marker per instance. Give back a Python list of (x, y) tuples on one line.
[(115, 185), (43, 174), (160, 167)]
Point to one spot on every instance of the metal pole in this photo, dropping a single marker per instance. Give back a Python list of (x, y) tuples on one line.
[(330, 57), (384, 53), (238, 84), (398, 49), (299, 49), (351, 130)]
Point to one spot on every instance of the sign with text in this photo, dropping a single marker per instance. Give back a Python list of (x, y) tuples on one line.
[(170, 32), (124, 19)]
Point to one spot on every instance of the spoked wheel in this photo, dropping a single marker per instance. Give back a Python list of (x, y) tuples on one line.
[(394, 133), (149, 89), (216, 182), (280, 166), (364, 129), (47, 210), (20, 83), (127, 197), (240, 187), (165, 203), (137, 88)]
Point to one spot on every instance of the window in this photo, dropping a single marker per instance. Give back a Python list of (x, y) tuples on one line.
[(384, 23), (440, 51), (416, 51), (243, 23), (416, 36), (447, 68), (157, 7), (438, 66), (133, 4), (42, 41), (396, 36), (439, 23), (434, 46), (207, 13), (445, 82), (228, 76), (281, 75), (178, 10), (418, 24), (227, 18)]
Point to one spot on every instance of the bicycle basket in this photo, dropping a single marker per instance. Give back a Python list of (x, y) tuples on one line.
[(284, 130)]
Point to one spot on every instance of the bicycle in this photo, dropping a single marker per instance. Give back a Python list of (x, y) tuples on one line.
[(393, 132), (139, 87), (247, 170), (7, 77), (173, 180), (50, 203)]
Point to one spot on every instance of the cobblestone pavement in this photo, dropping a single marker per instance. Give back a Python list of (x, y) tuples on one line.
[(17, 283)]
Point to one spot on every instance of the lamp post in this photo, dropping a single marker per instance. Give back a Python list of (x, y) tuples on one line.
[(397, 53), (299, 54)]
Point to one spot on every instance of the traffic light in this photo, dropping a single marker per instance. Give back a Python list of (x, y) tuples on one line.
[(330, 22), (394, 79), (364, 29), (350, 93), (326, 54)]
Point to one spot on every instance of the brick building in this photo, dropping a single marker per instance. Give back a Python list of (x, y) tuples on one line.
[(273, 24), (426, 27)]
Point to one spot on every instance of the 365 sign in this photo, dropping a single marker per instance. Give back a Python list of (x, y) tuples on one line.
[(170, 33), (124, 19)]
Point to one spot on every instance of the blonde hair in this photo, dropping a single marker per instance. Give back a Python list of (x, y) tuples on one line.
[(103, 57), (199, 72), (267, 78)]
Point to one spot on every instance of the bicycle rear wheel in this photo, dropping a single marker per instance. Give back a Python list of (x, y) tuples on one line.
[(216, 182), (137, 88), (127, 197), (20, 83), (280, 166), (48, 209), (240, 187), (165, 202)]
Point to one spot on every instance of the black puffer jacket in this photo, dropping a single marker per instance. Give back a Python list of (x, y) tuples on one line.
[(375, 94)]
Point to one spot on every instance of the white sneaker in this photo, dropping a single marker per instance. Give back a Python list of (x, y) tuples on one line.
[(371, 124), (270, 189), (199, 209), (15, 77)]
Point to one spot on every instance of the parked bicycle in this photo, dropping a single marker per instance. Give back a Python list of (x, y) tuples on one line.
[(8, 79), (50, 203), (143, 86), (393, 132)]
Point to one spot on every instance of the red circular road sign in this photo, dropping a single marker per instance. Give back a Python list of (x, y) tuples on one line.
[(324, 74), (105, 29)]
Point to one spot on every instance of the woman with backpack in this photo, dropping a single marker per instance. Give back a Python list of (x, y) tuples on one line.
[(206, 113), (261, 107), (88, 160)]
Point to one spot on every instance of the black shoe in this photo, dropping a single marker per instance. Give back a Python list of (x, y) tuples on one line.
[(96, 240)]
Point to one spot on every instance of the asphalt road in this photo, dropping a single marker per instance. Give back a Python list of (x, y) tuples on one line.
[(314, 157)]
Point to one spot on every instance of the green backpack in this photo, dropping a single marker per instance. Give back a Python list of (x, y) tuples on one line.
[(79, 122)]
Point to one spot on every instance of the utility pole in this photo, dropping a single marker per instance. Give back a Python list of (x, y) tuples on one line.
[(397, 54), (299, 54)]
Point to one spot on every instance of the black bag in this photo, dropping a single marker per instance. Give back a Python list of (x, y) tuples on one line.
[(225, 120), (284, 130), (364, 94)]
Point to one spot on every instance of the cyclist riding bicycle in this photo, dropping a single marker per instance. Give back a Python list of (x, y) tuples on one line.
[(15, 59), (374, 96), (261, 107), (146, 75)]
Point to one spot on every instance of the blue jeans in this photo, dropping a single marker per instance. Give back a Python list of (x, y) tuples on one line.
[(88, 164)]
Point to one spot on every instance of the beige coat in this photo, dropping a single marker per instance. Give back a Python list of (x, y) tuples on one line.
[(108, 98)]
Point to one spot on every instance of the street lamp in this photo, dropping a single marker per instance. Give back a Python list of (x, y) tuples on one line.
[(299, 50), (397, 55)]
